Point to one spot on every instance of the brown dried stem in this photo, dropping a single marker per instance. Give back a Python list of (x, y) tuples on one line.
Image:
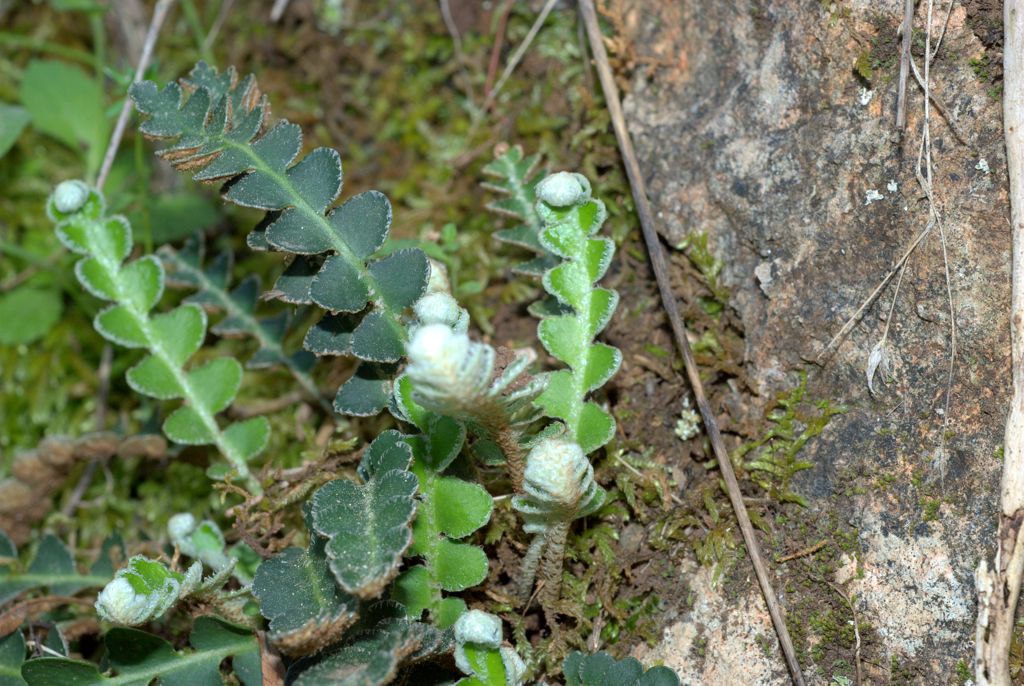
[(668, 299), (999, 588)]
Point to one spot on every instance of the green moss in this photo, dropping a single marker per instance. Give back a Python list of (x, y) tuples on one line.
[(773, 460), (980, 68), (696, 248), (963, 672), (863, 65)]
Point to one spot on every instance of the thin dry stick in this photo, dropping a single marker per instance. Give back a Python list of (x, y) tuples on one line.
[(939, 106), (513, 61), (657, 255), (852, 321), (218, 24), (999, 588), (934, 219), (942, 33), (901, 104), (499, 42), (277, 11), (159, 14), (453, 29)]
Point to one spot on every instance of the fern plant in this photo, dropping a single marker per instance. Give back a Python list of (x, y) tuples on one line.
[(216, 127), (52, 568), (185, 269), (171, 338), (137, 657), (372, 594), (449, 510), (570, 217), (145, 589), (559, 489), (601, 669), (481, 654), (514, 177)]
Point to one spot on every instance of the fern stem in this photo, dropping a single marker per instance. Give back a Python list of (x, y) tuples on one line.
[(508, 440), (551, 565), (528, 568)]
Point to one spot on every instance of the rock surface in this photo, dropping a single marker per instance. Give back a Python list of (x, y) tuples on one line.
[(770, 125)]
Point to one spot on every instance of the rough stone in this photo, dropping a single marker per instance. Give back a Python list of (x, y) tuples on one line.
[(757, 133)]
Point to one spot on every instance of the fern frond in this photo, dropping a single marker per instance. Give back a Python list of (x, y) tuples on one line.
[(212, 282), (515, 177), (571, 217), (133, 288), (216, 127)]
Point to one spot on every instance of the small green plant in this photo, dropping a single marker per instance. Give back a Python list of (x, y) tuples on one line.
[(773, 460), (695, 246), (146, 589), (450, 510), (370, 591), (213, 292), (453, 376), (514, 177), (480, 653), (215, 126), (601, 669), (171, 338), (137, 657), (52, 568), (570, 218), (559, 488)]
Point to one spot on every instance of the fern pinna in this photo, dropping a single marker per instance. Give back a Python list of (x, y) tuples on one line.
[(218, 128)]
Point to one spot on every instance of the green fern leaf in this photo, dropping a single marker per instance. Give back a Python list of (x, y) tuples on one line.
[(12, 655), (373, 656), (52, 568), (368, 526), (450, 509), (214, 292), (306, 609), (171, 338), (515, 177), (137, 657), (601, 669), (216, 128), (570, 218)]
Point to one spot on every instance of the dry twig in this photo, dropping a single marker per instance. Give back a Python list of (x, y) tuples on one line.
[(658, 262), (999, 588), (517, 56), (159, 14), (277, 11)]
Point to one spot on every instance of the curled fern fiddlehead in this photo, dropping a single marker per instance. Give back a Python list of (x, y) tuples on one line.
[(559, 488)]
